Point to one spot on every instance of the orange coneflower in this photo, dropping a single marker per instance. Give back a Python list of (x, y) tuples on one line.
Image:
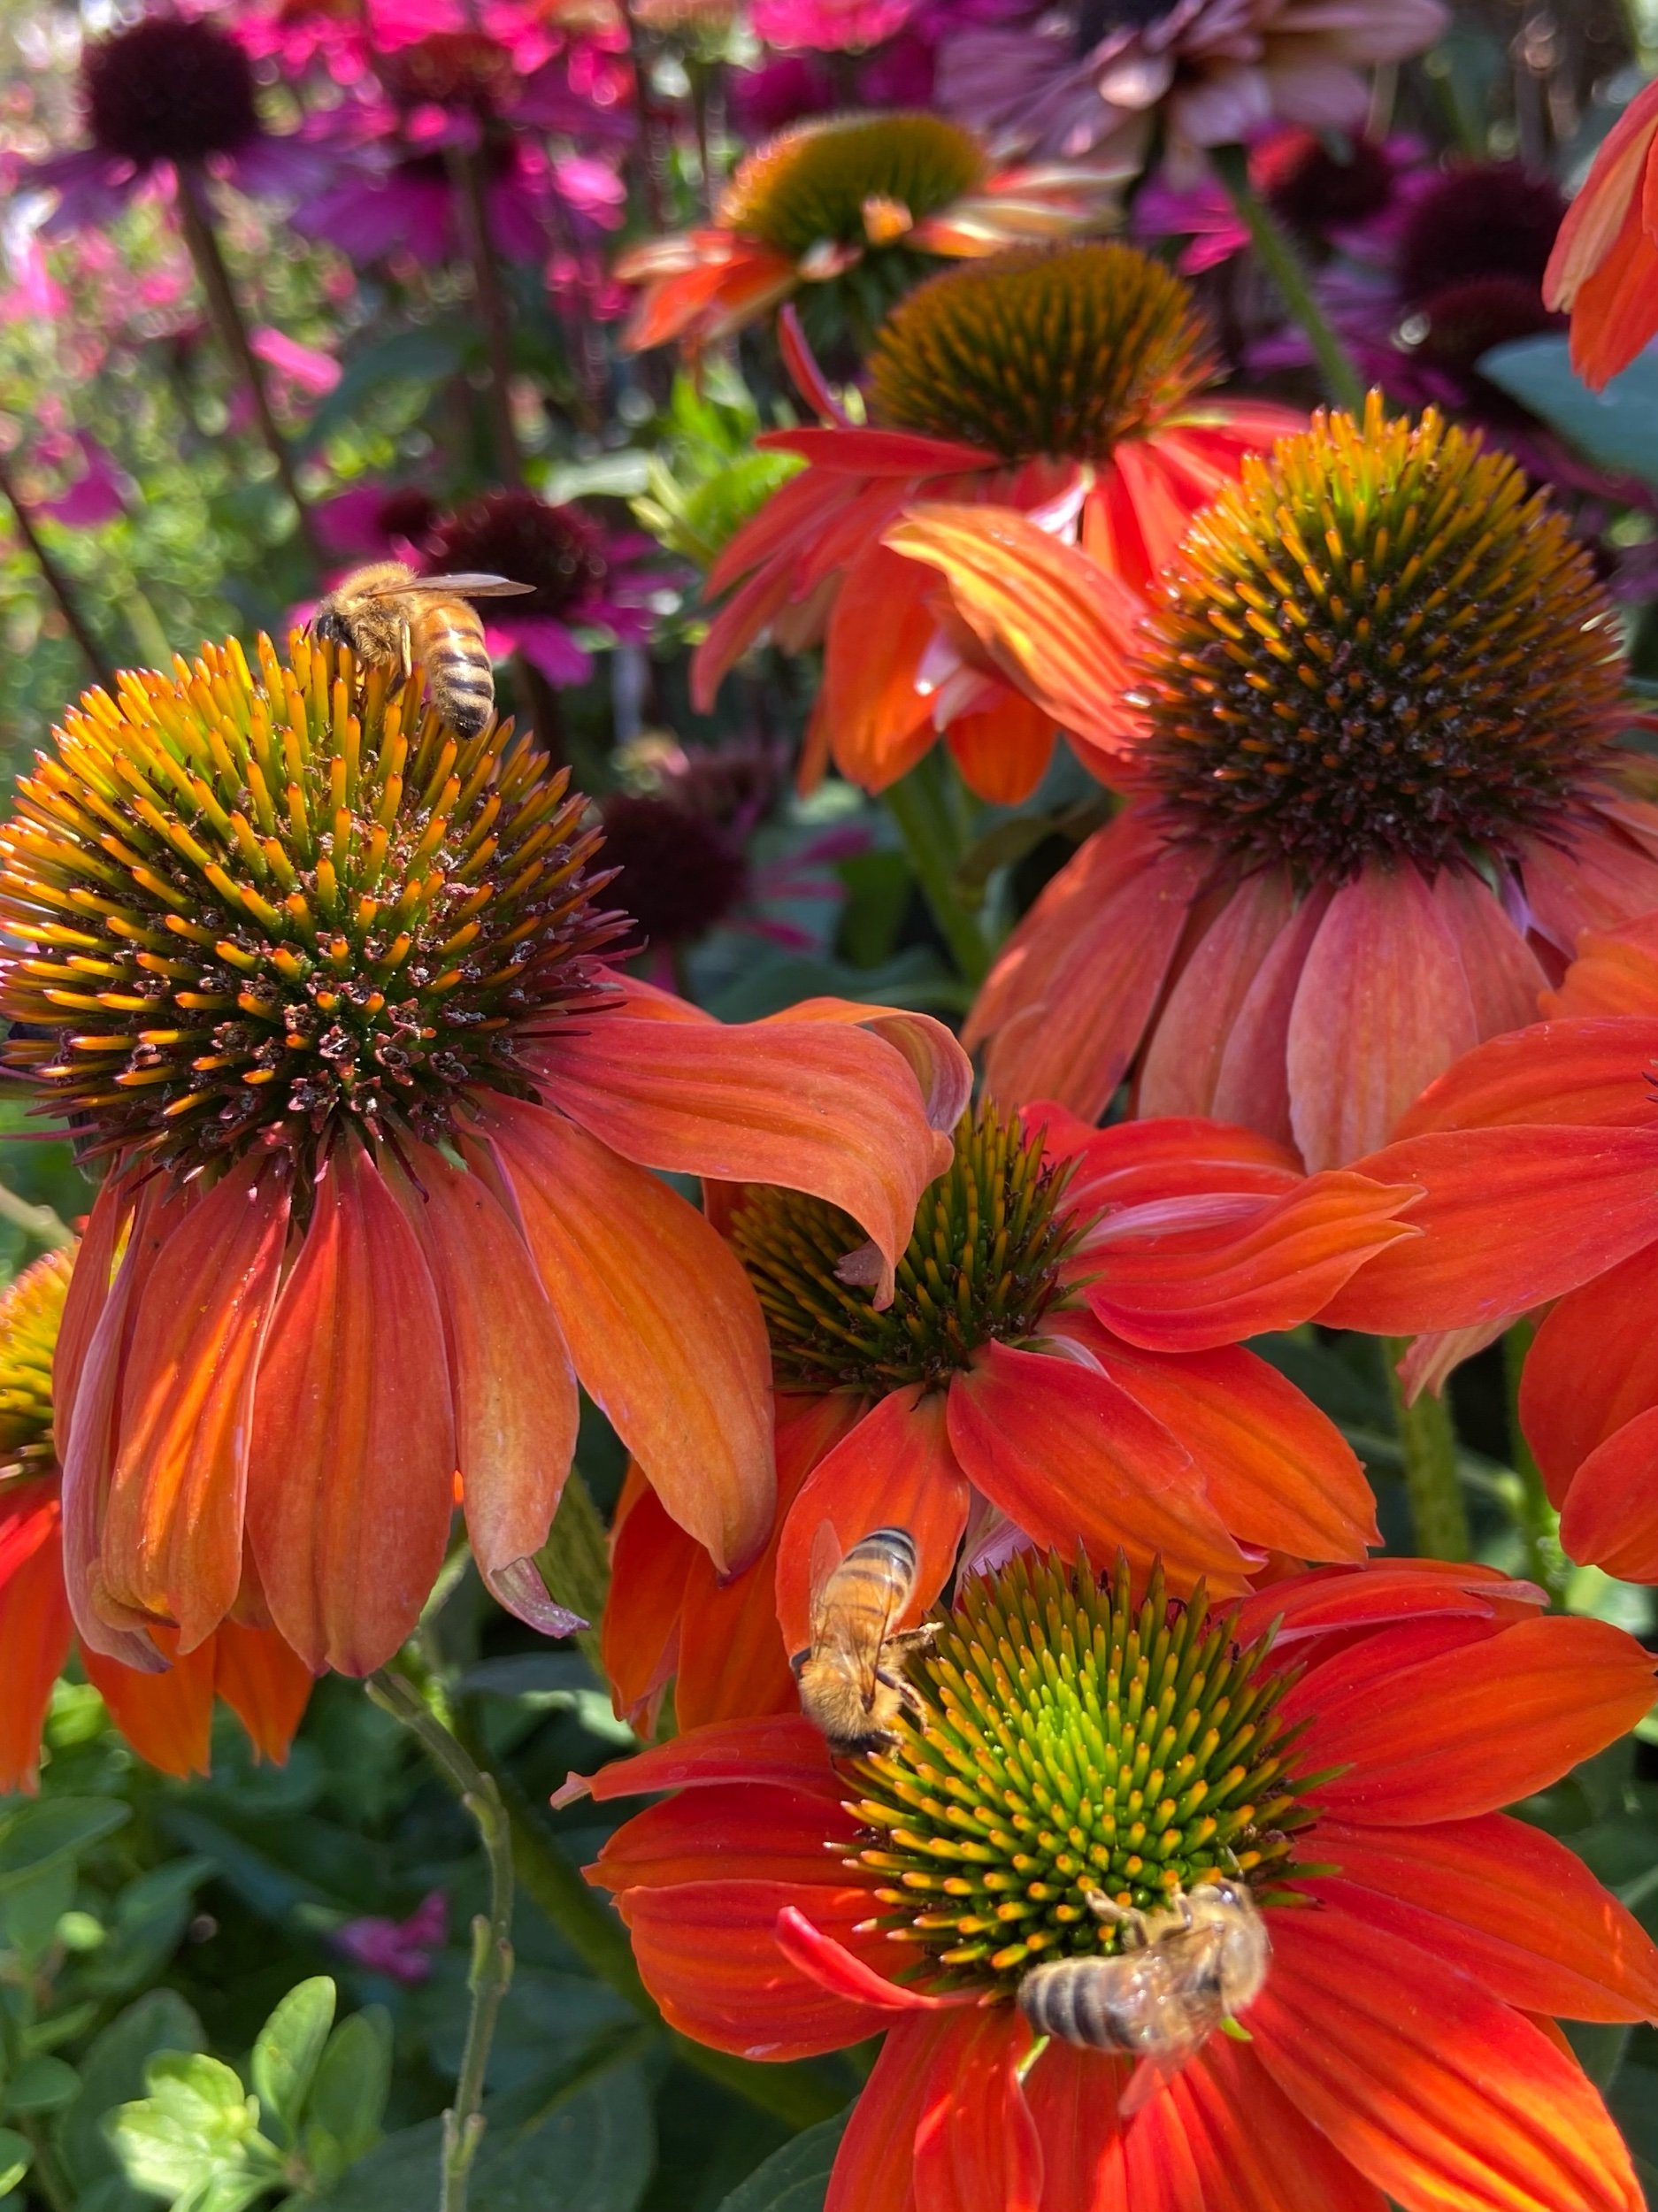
[(1367, 719), (855, 208), (1605, 263), (1341, 1744), (162, 1704), (1072, 386), (322, 983), (1064, 1358)]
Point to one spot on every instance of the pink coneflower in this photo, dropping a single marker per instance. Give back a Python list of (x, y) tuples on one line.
[(1063, 80), (378, 521), (828, 26), (401, 1949), (591, 585), (168, 94), (1339, 199)]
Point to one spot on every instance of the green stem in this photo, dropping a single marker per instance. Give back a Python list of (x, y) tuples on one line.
[(489, 293), (1278, 251), (1427, 1439), (1538, 1523), (920, 804), (56, 583), (790, 2092), (44, 1224), (230, 327), (491, 1971)]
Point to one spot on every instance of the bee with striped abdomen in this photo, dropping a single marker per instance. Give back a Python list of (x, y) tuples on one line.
[(1182, 1972), (848, 1684), (390, 618)]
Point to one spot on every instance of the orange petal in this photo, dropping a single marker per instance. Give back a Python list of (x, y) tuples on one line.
[(171, 1542), (894, 1470), (1383, 1007), (349, 1488), (266, 1686), (1070, 1457), (1183, 1060), (1057, 624), (873, 2169), (1258, 1265), (976, 2144), (661, 1321), (1587, 1073), (1506, 1904), (638, 1643), (1594, 1366), (1610, 1517), (1002, 750), (34, 1624), (1280, 1474), (880, 717), (1504, 976), (817, 1105), (1249, 2146), (941, 1069), (514, 1391), (89, 1291), (1471, 1728), (166, 1718), (1434, 2089), (1510, 1218), (1616, 972), (1252, 1084)]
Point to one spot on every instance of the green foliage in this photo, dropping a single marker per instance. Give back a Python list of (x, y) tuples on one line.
[(705, 477), (795, 2178)]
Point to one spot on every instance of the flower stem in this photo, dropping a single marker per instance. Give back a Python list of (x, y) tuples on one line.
[(491, 1971), (467, 168), (920, 804), (790, 2092), (230, 326), (56, 583), (44, 1224), (1538, 1523), (1277, 249), (1427, 1438)]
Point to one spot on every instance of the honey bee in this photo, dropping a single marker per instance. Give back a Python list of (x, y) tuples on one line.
[(845, 1685), (391, 618), (1182, 1972)]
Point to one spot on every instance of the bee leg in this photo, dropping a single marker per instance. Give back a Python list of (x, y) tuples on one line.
[(406, 654), (1128, 1917), (915, 1639)]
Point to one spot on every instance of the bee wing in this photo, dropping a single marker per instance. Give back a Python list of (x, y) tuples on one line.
[(1150, 2075), (464, 585), (827, 1552), (832, 1627)]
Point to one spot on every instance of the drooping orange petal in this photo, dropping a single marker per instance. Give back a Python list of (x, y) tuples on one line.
[(173, 1524), (733, 1658), (1070, 1457), (817, 1105), (1145, 1162), (34, 1624), (88, 1289), (266, 1686), (824, 1959), (1183, 1060), (1588, 1074), (1280, 1474), (867, 451), (1002, 750), (1505, 977), (1606, 878), (880, 717), (166, 1718), (1509, 1217), (1068, 1003), (1593, 1367), (1510, 1906), (1610, 1517), (1383, 1007), (662, 1324), (1252, 1084), (1259, 1265), (1337, 1601), (1470, 1729), (976, 2144), (1609, 197), (1055, 622), (514, 1390), (351, 1470), (895, 1470), (941, 1069), (708, 1955), (1449, 2099), (874, 2168), (639, 1645)]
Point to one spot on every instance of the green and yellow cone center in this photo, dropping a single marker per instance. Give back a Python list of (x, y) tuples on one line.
[(1075, 1739), (1063, 353), (256, 905), (851, 180), (31, 1311), (983, 1263), (1378, 644)]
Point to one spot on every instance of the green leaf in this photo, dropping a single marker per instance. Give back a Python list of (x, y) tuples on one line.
[(289, 2049), (112, 2073), (40, 1832), (195, 2120), (15, 2158), (795, 2178), (348, 2096), (41, 2084), (1618, 428), (418, 356)]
